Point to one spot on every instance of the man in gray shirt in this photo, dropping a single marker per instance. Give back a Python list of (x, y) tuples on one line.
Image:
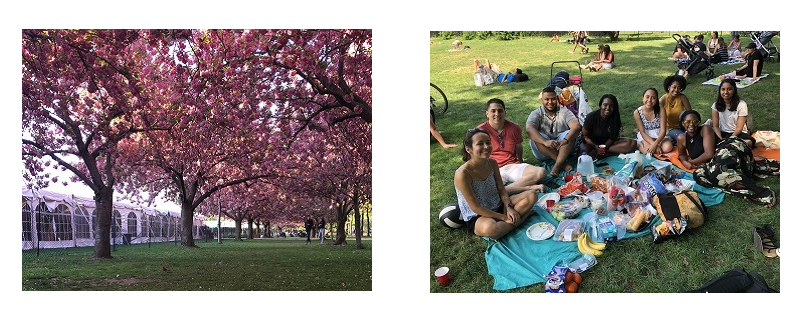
[(552, 130)]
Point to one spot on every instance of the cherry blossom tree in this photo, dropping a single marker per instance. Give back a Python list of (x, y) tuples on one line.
[(81, 95)]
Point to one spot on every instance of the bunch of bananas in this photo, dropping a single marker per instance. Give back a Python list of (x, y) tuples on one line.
[(588, 246)]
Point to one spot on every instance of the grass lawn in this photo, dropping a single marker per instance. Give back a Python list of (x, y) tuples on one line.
[(250, 265), (632, 265)]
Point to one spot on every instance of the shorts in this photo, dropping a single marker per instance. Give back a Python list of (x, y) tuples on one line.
[(470, 224), (512, 172), (608, 65), (541, 156), (673, 134)]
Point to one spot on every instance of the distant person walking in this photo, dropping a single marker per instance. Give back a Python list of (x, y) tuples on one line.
[(321, 229), (309, 225)]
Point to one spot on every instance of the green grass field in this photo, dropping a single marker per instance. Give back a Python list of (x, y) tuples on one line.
[(632, 265), (250, 265)]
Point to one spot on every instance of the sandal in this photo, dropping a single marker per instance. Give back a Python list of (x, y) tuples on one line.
[(764, 240)]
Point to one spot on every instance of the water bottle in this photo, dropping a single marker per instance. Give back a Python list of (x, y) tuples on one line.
[(585, 164)]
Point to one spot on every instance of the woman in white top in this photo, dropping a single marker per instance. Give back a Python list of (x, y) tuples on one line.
[(729, 113), (486, 207), (651, 123)]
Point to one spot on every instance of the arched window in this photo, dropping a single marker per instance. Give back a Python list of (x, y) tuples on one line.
[(26, 222), (44, 223), (117, 221), (145, 225), (156, 227), (62, 218), (132, 224), (83, 223)]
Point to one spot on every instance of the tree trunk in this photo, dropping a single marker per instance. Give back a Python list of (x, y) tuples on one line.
[(357, 224), (187, 213), (342, 216), (250, 228), (238, 229), (267, 229), (101, 225)]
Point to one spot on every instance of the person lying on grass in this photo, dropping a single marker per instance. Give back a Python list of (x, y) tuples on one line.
[(485, 206), (552, 131), (727, 165)]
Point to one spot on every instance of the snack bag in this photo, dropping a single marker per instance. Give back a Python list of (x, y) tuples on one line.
[(617, 194), (651, 185), (599, 183), (573, 187), (669, 229), (555, 280)]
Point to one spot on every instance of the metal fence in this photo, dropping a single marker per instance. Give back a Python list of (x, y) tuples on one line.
[(64, 228)]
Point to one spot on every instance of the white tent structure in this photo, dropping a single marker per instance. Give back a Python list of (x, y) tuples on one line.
[(55, 220)]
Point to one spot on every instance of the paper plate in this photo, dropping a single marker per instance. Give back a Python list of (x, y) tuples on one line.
[(540, 231), (548, 196)]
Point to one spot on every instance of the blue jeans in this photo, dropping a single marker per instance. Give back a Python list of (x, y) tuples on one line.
[(322, 233)]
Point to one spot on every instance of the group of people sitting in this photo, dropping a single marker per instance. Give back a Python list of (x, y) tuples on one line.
[(496, 189), (719, 51), (605, 59)]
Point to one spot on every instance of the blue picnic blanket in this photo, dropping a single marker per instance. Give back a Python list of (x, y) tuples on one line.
[(517, 261)]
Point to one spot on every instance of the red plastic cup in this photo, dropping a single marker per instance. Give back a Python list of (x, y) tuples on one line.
[(443, 277), (549, 204), (568, 177), (602, 149)]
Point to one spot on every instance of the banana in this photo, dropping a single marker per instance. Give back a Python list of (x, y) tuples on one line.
[(584, 246), (595, 245)]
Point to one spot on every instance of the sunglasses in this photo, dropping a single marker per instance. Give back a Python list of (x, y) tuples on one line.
[(690, 122), (501, 140)]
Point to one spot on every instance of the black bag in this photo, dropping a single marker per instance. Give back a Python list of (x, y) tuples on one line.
[(736, 280)]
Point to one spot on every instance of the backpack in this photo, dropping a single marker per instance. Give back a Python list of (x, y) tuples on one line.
[(736, 280), (683, 204), (559, 80)]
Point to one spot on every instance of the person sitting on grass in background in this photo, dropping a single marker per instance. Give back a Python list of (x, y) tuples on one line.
[(651, 122), (679, 53), (606, 60), (719, 54), (724, 164), (555, 38), (734, 48), (674, 102), (553, 131), (486, 207), (506, 138), (455, 45), (603, 127), (713, 44), (729, 113), (754, 63)]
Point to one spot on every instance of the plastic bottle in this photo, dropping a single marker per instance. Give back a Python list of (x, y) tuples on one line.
[(585, 164)]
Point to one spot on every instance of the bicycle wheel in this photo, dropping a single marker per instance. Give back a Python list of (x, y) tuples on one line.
[(438, 100)]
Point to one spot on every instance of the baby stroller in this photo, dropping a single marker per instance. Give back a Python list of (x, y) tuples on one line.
[(697, 60), (765, 46)]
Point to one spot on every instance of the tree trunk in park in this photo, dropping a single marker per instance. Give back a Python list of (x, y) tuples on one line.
[(342, 217), (250, 228), (357, 225), (238, 228), (267, 229), (101, 225), (187, 214)]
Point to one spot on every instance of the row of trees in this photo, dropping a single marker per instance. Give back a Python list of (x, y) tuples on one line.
[(271, 125)]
